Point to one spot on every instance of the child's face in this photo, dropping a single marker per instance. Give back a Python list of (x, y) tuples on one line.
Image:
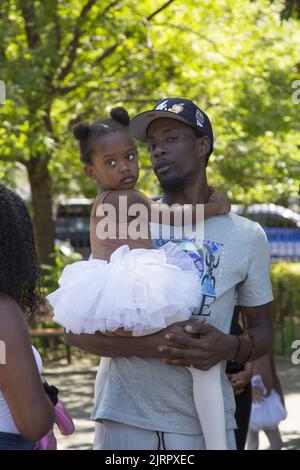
[(114, 162)]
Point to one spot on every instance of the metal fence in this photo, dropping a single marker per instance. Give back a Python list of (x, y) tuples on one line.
[(284, 242)]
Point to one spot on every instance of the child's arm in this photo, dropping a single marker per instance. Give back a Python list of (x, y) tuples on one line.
[(118, 332), (239, 380), (217, 204), (262, 367), (150, 211), (276, 383)]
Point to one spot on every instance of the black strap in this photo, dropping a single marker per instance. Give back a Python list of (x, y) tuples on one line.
[(52, 392), (158, 437), (163, 441)]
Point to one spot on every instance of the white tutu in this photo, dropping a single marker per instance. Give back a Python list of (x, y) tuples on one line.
[(138, 290), (269, 413)]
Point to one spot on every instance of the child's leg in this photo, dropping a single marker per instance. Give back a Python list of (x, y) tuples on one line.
[(209, 402), (252, 440), (274, 437)]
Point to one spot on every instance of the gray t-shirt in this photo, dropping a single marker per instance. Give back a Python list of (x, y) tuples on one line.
[(233, 264)]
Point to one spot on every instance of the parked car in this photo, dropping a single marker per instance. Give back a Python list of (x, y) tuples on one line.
[(72, 223), (282, 227)]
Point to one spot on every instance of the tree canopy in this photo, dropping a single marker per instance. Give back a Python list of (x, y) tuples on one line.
[(64, 62)]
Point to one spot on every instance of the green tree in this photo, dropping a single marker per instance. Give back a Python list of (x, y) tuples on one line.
[(65, 62), (55, 55), (290, 8)]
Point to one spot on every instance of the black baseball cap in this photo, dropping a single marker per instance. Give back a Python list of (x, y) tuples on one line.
[(173, 108)]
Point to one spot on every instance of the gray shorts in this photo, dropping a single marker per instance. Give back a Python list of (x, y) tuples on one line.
[(110, 435)]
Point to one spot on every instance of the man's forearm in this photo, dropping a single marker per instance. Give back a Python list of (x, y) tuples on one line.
[(260, 320), (114, 346)]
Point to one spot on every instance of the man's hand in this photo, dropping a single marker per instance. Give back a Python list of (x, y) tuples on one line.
[(198, 344)]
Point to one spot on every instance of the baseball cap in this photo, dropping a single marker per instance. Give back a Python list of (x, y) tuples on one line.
[(179, 109)]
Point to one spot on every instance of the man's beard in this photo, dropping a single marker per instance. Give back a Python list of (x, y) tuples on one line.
[(173, 185)]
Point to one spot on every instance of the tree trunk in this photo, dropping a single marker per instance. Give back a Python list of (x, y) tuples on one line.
[(41, 193)]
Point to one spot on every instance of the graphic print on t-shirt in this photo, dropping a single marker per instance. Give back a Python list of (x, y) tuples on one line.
[(207, 256)]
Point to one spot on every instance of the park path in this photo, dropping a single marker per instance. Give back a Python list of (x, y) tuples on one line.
[(75, 383)]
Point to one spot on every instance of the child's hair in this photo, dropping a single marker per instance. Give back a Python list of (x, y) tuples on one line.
[(87, 134)]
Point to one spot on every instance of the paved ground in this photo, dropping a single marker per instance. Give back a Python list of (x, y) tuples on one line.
[(76, 390)]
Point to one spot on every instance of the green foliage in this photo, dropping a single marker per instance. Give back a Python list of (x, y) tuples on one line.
[(66, 62), (287, 274), (285, 277), (286, 287), (51, 273), (290, 8)]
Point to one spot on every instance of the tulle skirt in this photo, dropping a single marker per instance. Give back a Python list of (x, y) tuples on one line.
[(138, 290), (269, 413)]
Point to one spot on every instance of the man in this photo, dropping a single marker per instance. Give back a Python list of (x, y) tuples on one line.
[(147, 401)]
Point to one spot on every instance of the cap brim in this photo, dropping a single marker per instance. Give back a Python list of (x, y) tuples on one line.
[(140, 123)]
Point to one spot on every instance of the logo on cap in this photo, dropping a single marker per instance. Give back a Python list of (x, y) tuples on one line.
[(200, 118), (176, 108), (162, 106)]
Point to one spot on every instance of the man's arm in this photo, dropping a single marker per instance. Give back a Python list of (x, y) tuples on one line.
[(202, 345), (260, 325)]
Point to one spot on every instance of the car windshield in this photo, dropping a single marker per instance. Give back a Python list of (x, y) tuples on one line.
[(74, 210)]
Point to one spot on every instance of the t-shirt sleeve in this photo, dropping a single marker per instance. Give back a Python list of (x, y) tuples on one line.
[(256, 289)]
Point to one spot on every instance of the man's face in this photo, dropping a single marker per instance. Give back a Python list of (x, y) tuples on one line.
[(175, 152)]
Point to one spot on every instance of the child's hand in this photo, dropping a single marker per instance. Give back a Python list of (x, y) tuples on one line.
[(239, 381), (221, 202), (257, 395)]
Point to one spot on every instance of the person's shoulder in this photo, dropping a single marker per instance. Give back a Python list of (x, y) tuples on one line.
[(239, 227), (242, 223), (103, 197), (7, 305), (130, 196), (11, 315)]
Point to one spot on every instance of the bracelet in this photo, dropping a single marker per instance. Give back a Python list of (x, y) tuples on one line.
[(237, 349)]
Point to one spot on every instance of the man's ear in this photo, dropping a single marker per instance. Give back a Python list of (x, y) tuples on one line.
[(203, 145), (90, 172)]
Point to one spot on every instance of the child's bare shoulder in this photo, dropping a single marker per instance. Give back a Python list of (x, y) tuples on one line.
[(130, 196)]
